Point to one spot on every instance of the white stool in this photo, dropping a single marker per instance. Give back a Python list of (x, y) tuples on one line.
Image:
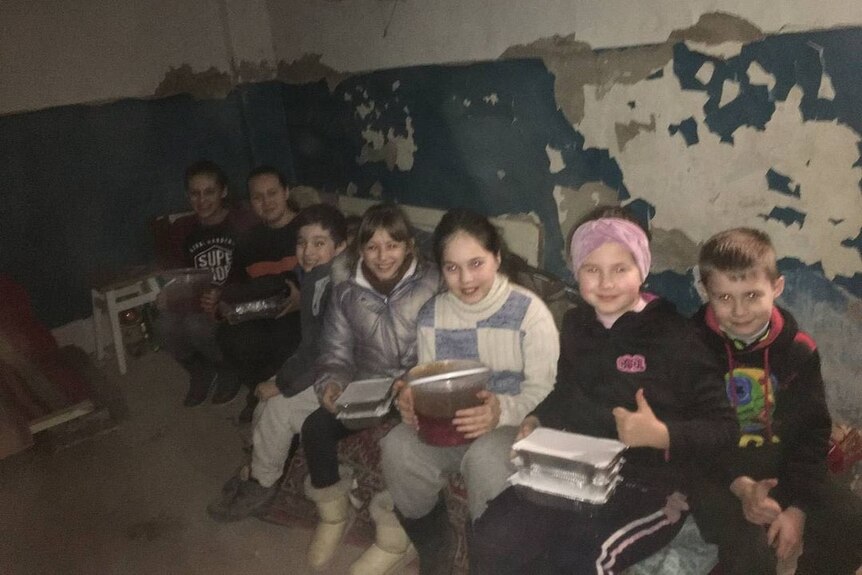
[(113, 300)]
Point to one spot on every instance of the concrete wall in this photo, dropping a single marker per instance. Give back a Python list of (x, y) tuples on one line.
[(700, 115)]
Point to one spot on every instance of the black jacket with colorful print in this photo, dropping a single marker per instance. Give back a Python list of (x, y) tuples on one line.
[(777, 389), (655, 349)]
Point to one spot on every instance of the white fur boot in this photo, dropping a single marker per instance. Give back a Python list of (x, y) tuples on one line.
[(391, 549), (336, 517)]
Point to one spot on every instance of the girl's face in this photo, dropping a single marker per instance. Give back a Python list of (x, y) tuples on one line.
[(384, 255), (468, 268), (315, 247), (609, 280)]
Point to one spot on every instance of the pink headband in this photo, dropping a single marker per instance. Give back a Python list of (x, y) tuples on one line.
[(595, 233)]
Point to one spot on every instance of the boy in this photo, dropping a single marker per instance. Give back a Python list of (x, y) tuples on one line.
[(774, 489), (288, 398), (255, 349), (190, 337)]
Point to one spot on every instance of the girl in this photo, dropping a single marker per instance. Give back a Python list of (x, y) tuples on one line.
[(369, 331), (509, 329), (630, 369)]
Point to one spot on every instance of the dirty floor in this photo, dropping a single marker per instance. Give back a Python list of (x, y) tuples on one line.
[(132, 500)]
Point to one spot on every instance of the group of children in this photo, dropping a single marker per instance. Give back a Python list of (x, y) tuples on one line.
[(724, 415)]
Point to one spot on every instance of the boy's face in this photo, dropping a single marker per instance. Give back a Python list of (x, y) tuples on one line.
[(206, 197), (742, 305), (315, 247), (610, 281), (269, 200)]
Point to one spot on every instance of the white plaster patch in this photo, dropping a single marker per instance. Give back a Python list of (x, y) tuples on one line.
[(826, 90), (376, 190), (728, 182), (394, 149), (351, 190), (501, 174), (348, 97), (362, 110), (724, 50), (466, 102), (729, 92), (396, 84), (760, 77), (555, 157), (705, 72), (491, 99)]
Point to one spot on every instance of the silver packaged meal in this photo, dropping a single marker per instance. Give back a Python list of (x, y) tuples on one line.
[(569, 465), (265, 308), (365, 402)]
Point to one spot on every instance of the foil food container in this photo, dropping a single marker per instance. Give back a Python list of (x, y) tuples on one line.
[(568, 465), (365, 402), (266, 308)]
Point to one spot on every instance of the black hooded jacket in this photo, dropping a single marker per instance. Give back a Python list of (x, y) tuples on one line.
[(655, 349), (777, 388)]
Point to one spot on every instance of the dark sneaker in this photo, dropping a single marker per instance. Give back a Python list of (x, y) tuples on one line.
[(227, 389), (251, 499), (201, 382)]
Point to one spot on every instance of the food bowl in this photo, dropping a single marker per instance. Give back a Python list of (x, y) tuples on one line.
[(440, 389)]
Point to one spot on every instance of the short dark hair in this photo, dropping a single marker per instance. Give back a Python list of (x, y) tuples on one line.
[(736, 252), (327, 217), (469, 222), (388, 217), (266, 170), (206, 168)]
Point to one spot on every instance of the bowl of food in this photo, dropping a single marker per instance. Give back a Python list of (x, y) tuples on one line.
[(442, 388)]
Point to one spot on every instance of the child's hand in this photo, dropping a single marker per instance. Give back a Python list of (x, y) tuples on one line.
[(330, 394), (528, 426), (757, 506), (292, 304), (641, 428), (476, 421), (785, 533), (209, 301), (404, 403), (266, 390)]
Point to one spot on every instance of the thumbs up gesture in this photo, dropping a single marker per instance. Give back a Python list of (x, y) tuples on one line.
[(641, 428), (759, 508)]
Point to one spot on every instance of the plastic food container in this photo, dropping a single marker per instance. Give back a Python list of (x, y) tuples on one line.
[(181, 289), (365, 402), (568, 465), (440, 389), (265, 308)]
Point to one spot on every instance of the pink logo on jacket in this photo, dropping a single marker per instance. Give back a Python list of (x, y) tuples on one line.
[(631, 363)]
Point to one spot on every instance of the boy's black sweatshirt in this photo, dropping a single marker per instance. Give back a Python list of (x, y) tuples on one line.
[(655, 349), (785, 424)]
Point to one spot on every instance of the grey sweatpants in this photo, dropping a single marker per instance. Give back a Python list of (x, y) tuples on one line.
[(415, 472), (274, 424)]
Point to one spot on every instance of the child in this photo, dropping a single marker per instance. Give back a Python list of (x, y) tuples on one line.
[(509, 329), (776, 489), (288, 398), (256, 349), (190, 337), (630, 369), (369, 331)]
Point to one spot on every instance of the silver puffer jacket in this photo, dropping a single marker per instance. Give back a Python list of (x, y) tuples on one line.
[(366, 334)]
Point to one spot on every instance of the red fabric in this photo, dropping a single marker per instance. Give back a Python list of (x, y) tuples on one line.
[(33, 343)]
